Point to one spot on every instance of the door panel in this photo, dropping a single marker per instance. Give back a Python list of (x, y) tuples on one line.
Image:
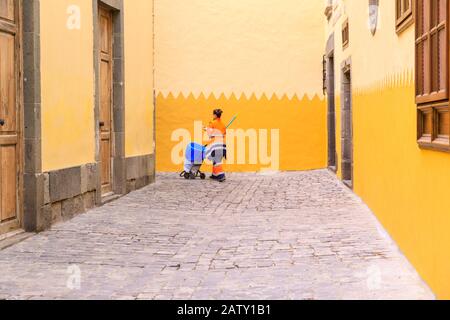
[(104, 31), (7, 9), (106, 167), (105, 98), (105, 112), (7, 83), (8, 182), (10, 164)]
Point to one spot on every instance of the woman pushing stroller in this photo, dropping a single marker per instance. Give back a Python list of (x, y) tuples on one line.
[(216, 147), (215, 150)]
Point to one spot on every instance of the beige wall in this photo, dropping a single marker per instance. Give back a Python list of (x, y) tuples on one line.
[(67, 73), (375, 61), (139, 85), (258, 59), (68, 133), (235, 46), (403, 184)]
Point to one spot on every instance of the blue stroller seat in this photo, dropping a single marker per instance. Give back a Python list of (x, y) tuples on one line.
[(194, 157)]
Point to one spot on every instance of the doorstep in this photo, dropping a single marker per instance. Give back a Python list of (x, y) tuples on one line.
[(11, 238), (109, 197)]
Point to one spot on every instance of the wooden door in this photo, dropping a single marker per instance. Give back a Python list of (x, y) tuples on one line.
[(10, 163), (347, 131), (106, 99)]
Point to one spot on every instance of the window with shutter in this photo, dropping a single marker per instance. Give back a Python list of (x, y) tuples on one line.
[(345, 34), (431, 49), (432, 76), (403, 14)]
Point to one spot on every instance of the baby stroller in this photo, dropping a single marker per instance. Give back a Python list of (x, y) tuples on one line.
[(195, 155)]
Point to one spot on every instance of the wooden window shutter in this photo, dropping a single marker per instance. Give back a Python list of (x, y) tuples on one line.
[(431, 50), (403, 14), (345, 34)]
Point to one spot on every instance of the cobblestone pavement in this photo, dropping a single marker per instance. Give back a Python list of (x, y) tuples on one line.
[(281, 236)]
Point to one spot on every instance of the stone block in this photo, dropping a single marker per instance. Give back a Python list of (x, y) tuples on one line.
[(56, 212), (88, 178), (44, 220), (131, 185), (65, 184), (46, 188), (89, 200), (72, 207)]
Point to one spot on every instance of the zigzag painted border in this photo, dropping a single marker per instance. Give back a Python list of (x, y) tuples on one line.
[(242, 97), (403, 78)]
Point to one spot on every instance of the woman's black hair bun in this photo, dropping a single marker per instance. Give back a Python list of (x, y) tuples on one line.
[(218, 113)]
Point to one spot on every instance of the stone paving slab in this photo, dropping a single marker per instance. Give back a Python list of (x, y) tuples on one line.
[(296, 235)]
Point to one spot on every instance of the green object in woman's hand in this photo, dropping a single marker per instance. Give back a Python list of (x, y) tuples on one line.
[(231, 122)]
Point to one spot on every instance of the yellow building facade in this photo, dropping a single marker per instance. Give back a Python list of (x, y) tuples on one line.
[(101, 94), (83, 106), (405, 184), (251, 59), (268, 65)]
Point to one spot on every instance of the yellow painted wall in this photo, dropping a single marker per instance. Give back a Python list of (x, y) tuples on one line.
[(67, 86), (405, 186), (300, 121), (139, 85), (68, 137), (237, 50)]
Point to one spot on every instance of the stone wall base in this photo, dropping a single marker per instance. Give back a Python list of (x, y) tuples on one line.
[(70, 192), (140, 172)]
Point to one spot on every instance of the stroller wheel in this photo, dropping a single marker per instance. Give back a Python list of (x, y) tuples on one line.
[(202, 176), (187, 175)]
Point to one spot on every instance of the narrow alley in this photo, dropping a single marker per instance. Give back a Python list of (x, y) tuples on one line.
[(297, 235)]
